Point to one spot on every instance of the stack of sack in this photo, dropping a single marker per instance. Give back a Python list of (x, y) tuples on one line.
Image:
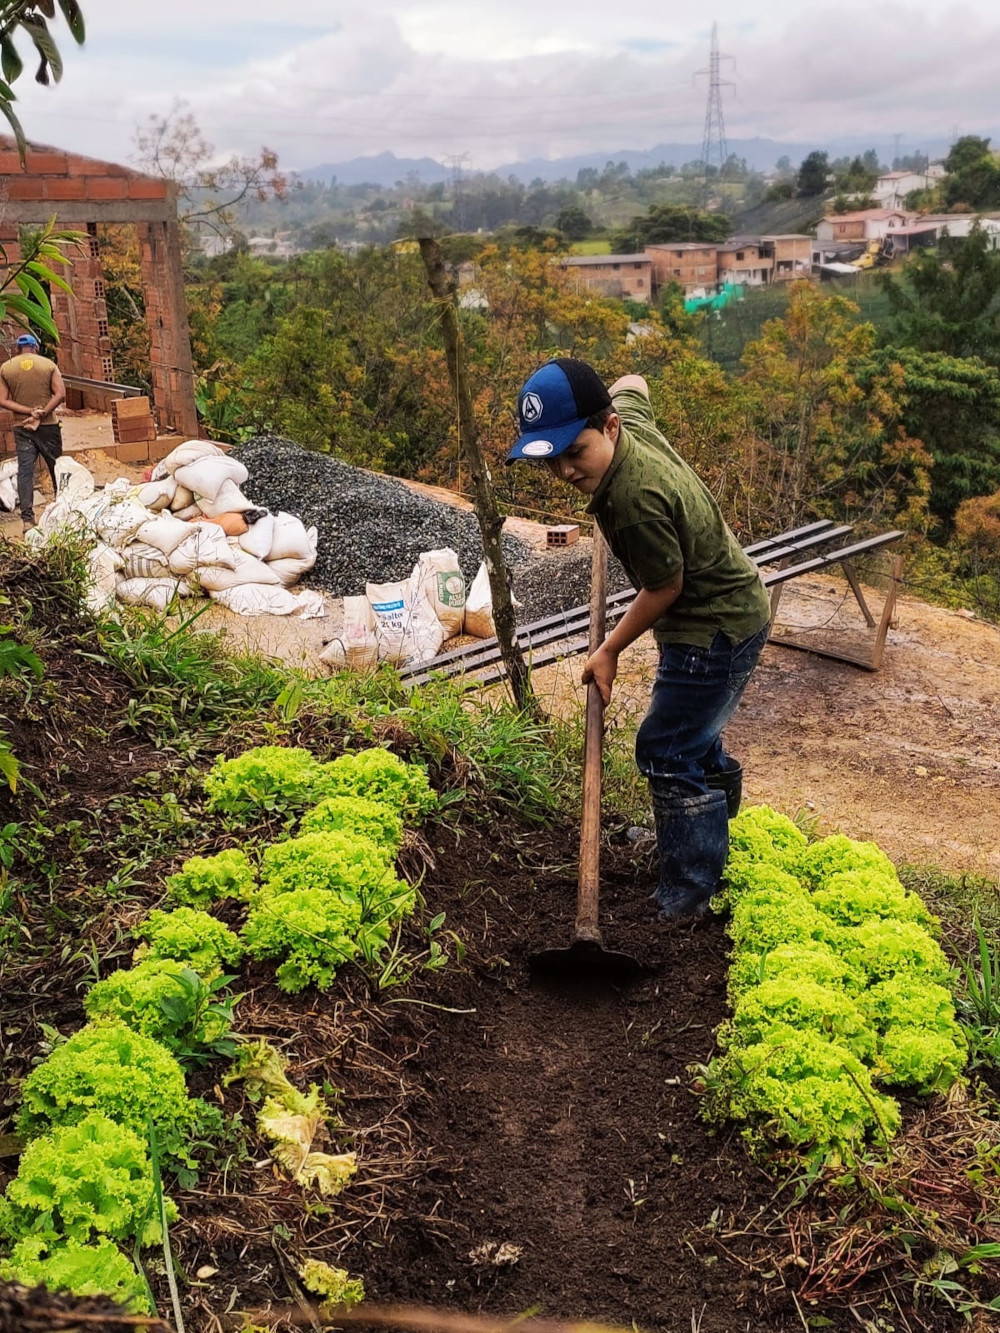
[(189, 530), (407, 622)]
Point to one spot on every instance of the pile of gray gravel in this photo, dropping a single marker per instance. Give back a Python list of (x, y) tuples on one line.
[(559, 580), (371, 528)]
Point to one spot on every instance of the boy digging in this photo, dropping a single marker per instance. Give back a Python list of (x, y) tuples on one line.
[(702, 597)]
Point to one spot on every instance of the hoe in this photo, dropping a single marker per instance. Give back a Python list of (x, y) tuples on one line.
[(586, 958)]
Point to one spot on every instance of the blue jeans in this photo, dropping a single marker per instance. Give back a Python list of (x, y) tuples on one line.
[(680, 742)]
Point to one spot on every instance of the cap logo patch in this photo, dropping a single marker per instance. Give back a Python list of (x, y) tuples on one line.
[(531, 408), (538, 448)]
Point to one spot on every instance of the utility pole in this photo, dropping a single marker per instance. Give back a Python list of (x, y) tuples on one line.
[(897, 140), (713, 142)]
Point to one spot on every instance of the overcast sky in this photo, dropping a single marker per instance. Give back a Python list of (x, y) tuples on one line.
[(322, 81)]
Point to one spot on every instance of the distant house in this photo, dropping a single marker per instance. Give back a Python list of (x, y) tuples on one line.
[(891, 189), (870, 224), (628, 277), (791, 256), (693, 265), (929, 229), (747, 260)]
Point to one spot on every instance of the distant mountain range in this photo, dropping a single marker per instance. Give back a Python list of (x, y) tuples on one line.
[(761, 154)]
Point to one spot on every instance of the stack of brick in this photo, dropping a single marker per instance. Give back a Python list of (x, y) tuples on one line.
[(133, 427), (6, 432)]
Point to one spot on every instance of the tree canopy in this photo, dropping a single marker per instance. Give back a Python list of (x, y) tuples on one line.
[(31, 19)]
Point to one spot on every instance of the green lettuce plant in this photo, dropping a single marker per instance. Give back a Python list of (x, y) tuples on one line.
[(265, 779), (98, 1269), (203, 880), (794, 1001), (888, 948), (84, 1181), (853, 897), (805, 960), (357, 816), (383, 776), (819, 861), (313, 931), (109, 1068), (189, 936), (169, 1002), (338, 861), (334, 1286)]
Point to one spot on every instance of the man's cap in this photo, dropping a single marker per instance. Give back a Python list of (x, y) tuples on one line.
[(28, 340), (554, 406)]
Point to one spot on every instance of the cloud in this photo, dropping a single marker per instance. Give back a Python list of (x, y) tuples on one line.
[(505, 79)]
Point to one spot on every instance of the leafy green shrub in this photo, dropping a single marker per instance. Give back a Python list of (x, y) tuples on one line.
[(852, 897), (186, 935), (338, 861), (383, 776), (82, 1181), (109, 1068), (358, 816), (81, 1270), (799, 1088), (807, 960), (266, 778), (746, 875), (921, 1059), (313, 931), (203, 880), (759, 833), (883, 949), (793, 1001), (831, 856), (169, 1002), (764, 918)]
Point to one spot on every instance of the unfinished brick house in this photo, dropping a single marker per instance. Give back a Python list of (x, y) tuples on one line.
[(691, 264), (82, 192), (624, 276)]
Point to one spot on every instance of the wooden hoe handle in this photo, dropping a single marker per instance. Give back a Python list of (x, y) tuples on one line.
[(588, 890)]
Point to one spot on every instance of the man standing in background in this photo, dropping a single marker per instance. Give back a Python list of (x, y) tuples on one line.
[(32, 388)]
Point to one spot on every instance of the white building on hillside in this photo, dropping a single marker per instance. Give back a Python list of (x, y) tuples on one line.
[(890, 190)]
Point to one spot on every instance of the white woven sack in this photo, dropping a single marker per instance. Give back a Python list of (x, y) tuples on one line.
[(229, 500), (291, 540), (310, 604), (438, 577), (117, 521), (248, 569), (142, 561), (290, 571), (103, 562), (156, 593), (479, 606), (192, 511), (188, 452), (357, 646), (256, 599), (257, 541), (206, 475), (407, 629), (74, 482), (165, 532), (205, 546), (182, 499), (157, 495), (8, 493)]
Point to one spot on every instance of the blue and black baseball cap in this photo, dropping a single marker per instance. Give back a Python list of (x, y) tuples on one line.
[(554, 406), (28, 340)]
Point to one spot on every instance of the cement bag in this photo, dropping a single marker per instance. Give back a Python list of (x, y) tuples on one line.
[(206, 545), (165, 532), (257, 599), (290, 571), (232, 525), (189, 513), (406, 627), (103, 562), (188, 452), (73, 481), (142, 561), (290, 540), (479, 606), (157, 495), (310, 604), (118, 520), (229, 500), (206, 476), (183, 498), (247, 569), (357, 646), (258, 537), (438, 577), (156, 593)]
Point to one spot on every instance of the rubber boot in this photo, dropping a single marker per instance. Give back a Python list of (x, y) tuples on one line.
[(730, 783), (692, 838)]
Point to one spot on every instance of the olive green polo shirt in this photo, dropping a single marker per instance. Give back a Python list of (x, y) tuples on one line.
[(659, 519)]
